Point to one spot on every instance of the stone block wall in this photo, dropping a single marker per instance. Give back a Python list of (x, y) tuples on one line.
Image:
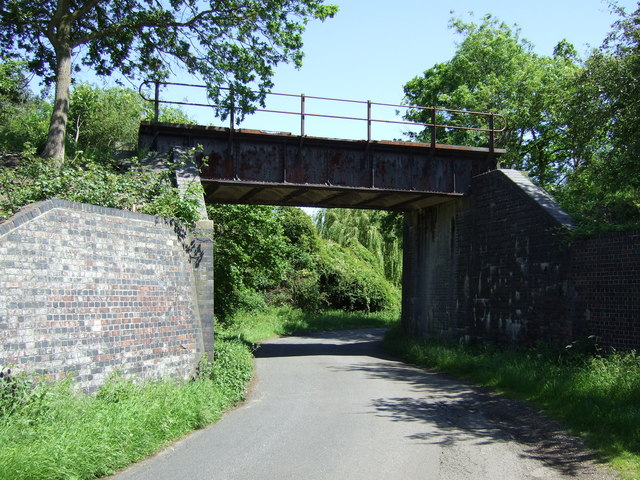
[(606, 277), (86, 291)]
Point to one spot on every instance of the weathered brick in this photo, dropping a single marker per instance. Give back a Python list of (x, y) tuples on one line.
[(85, 287)]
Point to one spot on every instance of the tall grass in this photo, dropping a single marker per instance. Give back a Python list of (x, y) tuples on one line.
[(594, 396), (51, 432)]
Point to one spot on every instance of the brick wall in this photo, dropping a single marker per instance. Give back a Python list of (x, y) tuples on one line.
[(429, 271), (500, 266), (497, 265), (606, 276), (513, 262), (87, 290)]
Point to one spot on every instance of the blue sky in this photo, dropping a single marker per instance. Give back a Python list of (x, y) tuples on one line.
[(372, 47)]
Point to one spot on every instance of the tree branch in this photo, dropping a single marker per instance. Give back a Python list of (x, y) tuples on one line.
[(56, 21), (86, 8), (106, 32)]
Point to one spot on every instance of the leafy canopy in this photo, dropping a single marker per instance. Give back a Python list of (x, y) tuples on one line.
[(234, 43), (495, 70), (226, 41)]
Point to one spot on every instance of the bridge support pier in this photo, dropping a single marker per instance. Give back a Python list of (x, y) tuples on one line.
[(429, 270), (494, 265)]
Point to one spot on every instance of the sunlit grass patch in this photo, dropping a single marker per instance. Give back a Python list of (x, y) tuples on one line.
[(60, 434), (274, 321)]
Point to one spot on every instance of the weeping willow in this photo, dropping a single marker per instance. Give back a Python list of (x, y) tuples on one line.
[(378, 231)]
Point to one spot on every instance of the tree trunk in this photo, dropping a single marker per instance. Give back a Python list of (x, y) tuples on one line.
[(54, 148)]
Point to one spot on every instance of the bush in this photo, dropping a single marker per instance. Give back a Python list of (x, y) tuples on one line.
[(86, 180), (250, 251), (350, 282)]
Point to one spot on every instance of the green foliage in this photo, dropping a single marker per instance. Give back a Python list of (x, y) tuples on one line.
[(604, 193), (23, 118), (274, 256), (59, 434), (252, 327), (85, 180), (350, 281), (236, 43), (572, 124), (594, 395), (378, 231), (105, 121), (250, 254), (302, 282), (495, 70)]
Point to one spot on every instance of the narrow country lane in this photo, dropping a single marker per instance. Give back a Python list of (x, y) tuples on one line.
[(333, 406)]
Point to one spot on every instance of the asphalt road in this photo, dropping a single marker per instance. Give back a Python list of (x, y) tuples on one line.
[(333, 406)]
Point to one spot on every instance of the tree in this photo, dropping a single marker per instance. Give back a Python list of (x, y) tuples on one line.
[(102, 121), (250, 251), (23, 116), (13, 83), (604, 192), (234, 43), (495, 70), (380, 232)]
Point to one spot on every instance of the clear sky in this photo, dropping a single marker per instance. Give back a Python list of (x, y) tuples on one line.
[(373, 47)]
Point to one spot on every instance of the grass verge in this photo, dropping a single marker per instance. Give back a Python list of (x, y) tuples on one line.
[(595, 396), (252, 327), (50, 432)]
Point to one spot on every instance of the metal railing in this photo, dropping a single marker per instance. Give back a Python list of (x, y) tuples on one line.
[(433, 125)]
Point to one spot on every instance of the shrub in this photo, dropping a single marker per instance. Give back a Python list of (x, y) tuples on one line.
[(86, 180), (350, 282)]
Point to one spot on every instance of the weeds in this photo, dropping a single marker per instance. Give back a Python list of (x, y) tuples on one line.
[(50, 432)]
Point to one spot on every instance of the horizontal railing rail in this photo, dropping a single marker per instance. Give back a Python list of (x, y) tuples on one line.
[(433, 125)]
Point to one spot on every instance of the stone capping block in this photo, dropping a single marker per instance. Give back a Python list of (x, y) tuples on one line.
[(34, 210), (537, 194)]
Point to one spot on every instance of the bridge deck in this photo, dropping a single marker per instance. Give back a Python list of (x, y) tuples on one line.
[(258, 167)]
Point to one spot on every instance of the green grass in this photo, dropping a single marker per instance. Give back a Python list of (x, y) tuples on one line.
[(595, 396), (50, 432), (252, 327)]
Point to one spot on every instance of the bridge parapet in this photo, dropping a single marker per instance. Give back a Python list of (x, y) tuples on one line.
[(259, 167)]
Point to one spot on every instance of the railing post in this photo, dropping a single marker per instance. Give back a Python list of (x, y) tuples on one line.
[(232, 111), (156, 104), (302, 102), (368, 120), (433, 127), (491, 133)]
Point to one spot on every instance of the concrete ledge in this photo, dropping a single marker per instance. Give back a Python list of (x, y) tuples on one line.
[(538, 195)]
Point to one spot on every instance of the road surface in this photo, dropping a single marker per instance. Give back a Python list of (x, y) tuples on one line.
[(333, 406)]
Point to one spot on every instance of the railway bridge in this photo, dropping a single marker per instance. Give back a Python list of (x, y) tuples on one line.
[(484, 256)]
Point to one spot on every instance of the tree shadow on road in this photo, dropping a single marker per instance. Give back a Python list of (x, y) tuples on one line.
[(453, 411), (366, 342)]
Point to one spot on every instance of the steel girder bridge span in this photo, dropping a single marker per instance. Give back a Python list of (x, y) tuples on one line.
[(274, 168)]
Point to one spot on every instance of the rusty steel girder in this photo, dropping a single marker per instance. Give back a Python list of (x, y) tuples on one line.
[(258, 167)]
